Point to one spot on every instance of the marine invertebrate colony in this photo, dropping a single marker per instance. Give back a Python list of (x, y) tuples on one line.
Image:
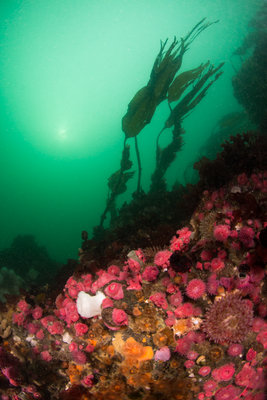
[(159, 326)]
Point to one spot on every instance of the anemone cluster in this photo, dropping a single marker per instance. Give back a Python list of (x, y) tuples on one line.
[(185, 323)]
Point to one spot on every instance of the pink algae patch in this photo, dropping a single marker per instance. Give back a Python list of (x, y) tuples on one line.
[(114, 270), (32, 328)]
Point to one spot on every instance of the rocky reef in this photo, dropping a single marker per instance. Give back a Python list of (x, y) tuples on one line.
[(30, 262), (186, 321), (250, 82)]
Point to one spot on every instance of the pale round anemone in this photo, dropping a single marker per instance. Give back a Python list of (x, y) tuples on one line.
[(89, 306)]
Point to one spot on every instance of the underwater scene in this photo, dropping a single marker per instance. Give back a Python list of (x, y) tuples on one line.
[(133, 218)]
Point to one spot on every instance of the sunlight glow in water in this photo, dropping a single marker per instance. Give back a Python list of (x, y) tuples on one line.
[(62, 134)]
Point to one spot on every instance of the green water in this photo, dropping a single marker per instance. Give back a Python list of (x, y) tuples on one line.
[(68, 70)]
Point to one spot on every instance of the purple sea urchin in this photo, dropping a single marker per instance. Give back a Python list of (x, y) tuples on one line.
[(228, 320)]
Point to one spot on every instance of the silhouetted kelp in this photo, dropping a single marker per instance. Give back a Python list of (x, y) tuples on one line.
[(185, 90)]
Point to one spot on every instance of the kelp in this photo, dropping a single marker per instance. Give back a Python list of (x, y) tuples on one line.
[(165, 157), (185, 90), (194, 96), (166, 65), (140, 112), (182, 81), (117, 183)]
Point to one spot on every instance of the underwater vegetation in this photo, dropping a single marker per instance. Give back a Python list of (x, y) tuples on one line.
[(170, 301), (185, 90)]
